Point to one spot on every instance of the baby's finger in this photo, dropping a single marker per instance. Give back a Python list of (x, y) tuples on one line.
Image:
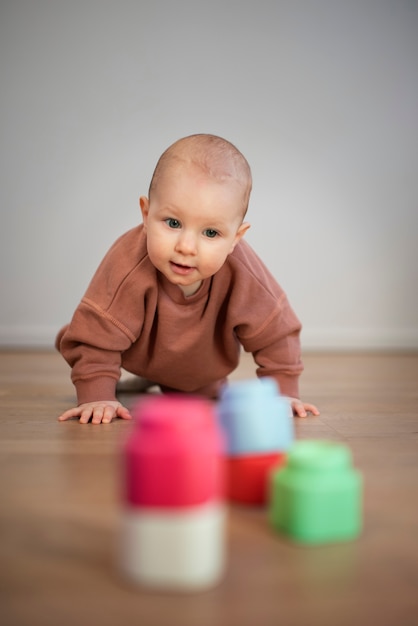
[(98, 413), (108, 414), (69, 414), (123, 412), (312, 409), (298, 408), (85, 415)]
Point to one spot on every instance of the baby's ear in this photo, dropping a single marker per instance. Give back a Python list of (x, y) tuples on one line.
[(144, 205), (240, 234)]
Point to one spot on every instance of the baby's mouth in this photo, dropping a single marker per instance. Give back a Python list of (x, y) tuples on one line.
[(181, 269)]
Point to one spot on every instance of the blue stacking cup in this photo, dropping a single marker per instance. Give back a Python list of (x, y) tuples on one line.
[(256, 419)]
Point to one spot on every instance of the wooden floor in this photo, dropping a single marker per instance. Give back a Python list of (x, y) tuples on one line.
[(59, 511)]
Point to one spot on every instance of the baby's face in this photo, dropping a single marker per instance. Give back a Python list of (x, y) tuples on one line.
[(192, 223)]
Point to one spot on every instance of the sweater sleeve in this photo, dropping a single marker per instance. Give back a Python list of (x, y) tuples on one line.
[(92, 345), (265, 323), (275, 347), (108, 319)]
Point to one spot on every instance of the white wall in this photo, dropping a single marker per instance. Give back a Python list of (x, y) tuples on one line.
[(321, 96)]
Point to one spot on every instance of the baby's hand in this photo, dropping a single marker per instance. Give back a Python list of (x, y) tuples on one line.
[(301, 409), (98, 412)]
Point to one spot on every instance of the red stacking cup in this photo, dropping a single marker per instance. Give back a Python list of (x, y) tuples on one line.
[(248, 477)]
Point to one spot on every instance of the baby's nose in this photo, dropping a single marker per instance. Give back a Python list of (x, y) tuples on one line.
[(186, 243)]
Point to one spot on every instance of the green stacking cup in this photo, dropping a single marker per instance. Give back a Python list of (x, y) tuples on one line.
[(317, 496)]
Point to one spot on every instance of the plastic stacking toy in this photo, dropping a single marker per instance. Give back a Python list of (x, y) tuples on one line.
[(258, 426), (248, 477), (173, 516), (317, 496)]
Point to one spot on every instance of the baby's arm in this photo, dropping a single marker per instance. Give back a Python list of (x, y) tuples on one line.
[(99, 412)]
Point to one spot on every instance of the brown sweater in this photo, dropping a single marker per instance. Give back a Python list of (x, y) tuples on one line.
[(131, 316)]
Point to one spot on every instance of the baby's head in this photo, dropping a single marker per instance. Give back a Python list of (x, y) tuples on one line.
[(211, 156), (193, 215)]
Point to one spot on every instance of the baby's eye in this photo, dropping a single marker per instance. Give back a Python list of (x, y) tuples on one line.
[(173, 223), (211, 233)]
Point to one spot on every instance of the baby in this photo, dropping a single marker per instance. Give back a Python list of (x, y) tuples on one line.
[(176, 298)]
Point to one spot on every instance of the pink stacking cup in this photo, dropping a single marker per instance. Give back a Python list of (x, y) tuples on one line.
[(173, 510)]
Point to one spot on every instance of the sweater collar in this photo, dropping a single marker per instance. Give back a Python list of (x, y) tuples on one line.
[(175, 293)]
